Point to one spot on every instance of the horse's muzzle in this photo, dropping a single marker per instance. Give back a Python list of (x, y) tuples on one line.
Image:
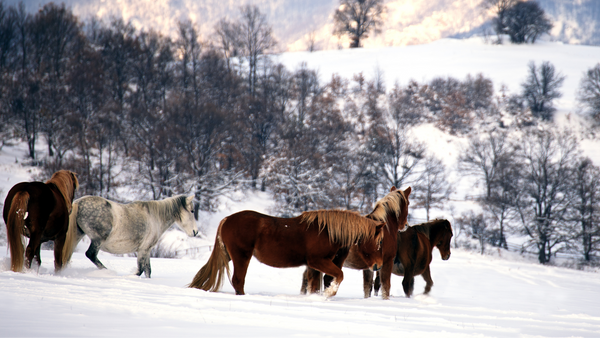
[(445, 258), (194, 233), (376, 268)]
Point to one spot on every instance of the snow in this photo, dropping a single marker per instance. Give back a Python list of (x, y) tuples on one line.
[(499, 295), (473, 296)]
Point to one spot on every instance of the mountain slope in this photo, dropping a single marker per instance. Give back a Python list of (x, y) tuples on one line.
[(408, 22)]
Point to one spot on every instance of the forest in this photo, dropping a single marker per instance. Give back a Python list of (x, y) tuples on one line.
[(158, 115)]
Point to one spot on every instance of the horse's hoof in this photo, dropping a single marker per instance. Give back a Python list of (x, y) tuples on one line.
[(331, 290)]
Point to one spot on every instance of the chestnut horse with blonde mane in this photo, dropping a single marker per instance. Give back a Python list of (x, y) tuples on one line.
[(39, 211), (392, 209), (313, 239)]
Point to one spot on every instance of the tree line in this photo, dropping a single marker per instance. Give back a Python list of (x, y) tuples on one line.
[(138, 112)]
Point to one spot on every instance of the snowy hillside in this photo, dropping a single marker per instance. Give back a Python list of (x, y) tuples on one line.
[(408, 22), (474, 296)]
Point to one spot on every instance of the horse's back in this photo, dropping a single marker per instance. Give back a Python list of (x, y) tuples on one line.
[(95, 217), (41, 197), (278, 242)]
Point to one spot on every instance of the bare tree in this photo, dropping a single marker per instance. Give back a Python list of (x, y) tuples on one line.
[(255, 38), (499, 7), (525, 22), (547, 157), (589, 92), (541, 88), (357, 18), (190, 48), (432, 187), (476, 226), (586, 206), (492, 159), (227, 39)]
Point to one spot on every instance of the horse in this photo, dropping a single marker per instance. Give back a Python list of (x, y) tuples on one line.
[(311, 239), (125, 228), (415, 248), (39, 211), (393, 209)]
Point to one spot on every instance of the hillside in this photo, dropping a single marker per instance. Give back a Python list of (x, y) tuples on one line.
[(408, 22)]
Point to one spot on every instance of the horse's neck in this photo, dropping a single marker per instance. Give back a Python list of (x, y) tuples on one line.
[(435, 233), (166, 219), (390, 219)]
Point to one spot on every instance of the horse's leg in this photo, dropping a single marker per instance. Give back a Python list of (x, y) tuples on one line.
[(427, 277), (328, 267), (143, 260), (314, 280), (33, 249), (240, 267), (408, 283), (338, 260), (92, 254), (59, 243), (367, 282), (305, 281), (385, 275), (377, 284)]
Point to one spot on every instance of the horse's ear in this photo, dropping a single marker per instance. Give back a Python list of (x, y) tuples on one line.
[(393, 188), (407, 192), (189, 201), (75, 181), (379, 226)]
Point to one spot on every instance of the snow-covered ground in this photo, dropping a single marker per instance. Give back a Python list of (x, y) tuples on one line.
[(473, 296)]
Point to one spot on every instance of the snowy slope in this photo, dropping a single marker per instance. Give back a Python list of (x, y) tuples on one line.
[(473, 296), (407, 22)]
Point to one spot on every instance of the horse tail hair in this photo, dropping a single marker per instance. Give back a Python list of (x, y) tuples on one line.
[(71, 236), (15, 225), (210, 276)]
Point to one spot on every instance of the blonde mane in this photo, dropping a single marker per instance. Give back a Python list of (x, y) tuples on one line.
[(389, 203), (168, 208), (67, 184), (344, 227)]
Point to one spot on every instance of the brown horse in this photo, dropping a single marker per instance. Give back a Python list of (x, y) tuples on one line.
[(392, 209), (39, 211), (312, 239), (415, 248)]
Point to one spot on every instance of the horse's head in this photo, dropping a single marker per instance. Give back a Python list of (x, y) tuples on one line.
[(402, 207), (443, 240), (393, 208), (369, 249), (187, 222)]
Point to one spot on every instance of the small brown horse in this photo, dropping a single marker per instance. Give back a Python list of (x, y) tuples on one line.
[(39, 211), (392, 209), (415, 248), (312, 239)]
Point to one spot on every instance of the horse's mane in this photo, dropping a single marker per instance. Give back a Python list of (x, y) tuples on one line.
[(167, 208), (344, 227), (389, 203), (67, 184)]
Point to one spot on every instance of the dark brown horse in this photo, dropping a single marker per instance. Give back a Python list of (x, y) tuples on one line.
[(392, 209), (415, 248), (312, 239), (39, 211)]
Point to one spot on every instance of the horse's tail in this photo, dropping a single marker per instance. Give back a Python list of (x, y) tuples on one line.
[(71, 237), (210, 276), (15, 225)]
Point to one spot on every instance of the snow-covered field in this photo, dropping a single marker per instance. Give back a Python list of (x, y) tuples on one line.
[(473, 296)]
